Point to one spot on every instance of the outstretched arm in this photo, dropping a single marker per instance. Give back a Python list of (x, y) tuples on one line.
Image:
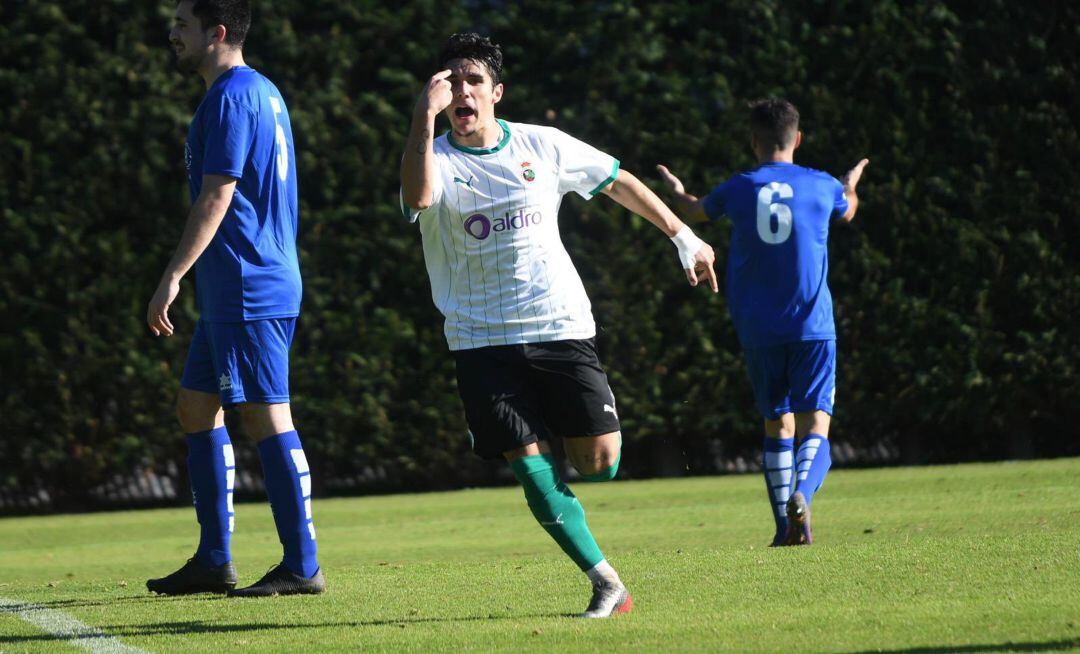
[(418, 163), (203, 221), (695, 255), (689, 205), (850, 180)]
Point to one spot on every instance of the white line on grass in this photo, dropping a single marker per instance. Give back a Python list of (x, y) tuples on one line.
[(64, 627)]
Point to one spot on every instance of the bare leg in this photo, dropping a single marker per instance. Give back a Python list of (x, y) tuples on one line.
[(595, 457), (782, 428), (197, 411), (813, 422), (263, 420)]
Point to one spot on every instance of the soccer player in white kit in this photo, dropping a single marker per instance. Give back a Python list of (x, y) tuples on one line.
[(518, 321)]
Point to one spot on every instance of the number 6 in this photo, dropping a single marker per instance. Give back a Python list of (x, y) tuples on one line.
[(766, 208)]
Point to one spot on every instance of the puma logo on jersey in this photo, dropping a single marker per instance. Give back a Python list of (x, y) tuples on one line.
[(610, 409), (466, 183)]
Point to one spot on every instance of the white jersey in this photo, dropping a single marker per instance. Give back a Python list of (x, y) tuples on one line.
[(499, 271)]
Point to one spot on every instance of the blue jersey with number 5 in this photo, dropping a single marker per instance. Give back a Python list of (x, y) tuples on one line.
[(250, 269), (778, 262)]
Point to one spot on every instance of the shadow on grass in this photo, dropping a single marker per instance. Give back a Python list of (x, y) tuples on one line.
[(1008, 646), (199, 627), (143, 598)]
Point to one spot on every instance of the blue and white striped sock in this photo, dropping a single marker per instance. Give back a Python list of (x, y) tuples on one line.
[(813, 464), (212, 470), (778, 465), (288, 486)]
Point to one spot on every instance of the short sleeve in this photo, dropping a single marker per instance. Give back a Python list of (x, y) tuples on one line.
[(229, 132), (407, 212), (582, 168), (411, 214), (840, 201), (715, 203)]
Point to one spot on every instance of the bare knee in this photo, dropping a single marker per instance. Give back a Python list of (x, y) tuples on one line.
[(252, 423), (596, 458), (594, 464), (198, 412), (532, 449), (783, 427), (813, 422), (261, 421)]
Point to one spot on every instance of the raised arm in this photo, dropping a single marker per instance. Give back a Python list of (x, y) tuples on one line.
[(689, 206), (418, 163), (850, 180), (695, 255), (203, 221)]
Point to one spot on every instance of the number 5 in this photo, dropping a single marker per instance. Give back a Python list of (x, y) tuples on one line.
[(766, 209), (282, 144)]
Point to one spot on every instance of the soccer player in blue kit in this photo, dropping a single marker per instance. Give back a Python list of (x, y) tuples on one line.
[(780, 302), (240, 236)]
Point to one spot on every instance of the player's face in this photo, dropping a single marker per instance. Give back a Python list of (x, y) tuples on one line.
[(189, 41), (473, 106)]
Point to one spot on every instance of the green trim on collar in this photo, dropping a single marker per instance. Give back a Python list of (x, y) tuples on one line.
[(607, 182), (493, 150)]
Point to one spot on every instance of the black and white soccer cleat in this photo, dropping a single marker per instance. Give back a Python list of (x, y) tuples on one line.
[(798, 520), (195, 577), (282, 581)]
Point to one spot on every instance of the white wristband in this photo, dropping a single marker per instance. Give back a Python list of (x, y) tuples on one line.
[(688, 244)]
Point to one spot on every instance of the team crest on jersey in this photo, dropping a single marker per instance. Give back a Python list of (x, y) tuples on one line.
[(527, 173)]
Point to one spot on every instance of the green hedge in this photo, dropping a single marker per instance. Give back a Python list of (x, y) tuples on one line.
[(956, 288)]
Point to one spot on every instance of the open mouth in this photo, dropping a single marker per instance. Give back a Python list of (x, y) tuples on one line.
[(464, 112)]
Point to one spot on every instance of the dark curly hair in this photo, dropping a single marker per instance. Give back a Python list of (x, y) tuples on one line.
[(470, 45), (235, 15), (774, 122)]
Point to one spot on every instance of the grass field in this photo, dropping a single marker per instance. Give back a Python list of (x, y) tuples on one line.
[(973, 558)]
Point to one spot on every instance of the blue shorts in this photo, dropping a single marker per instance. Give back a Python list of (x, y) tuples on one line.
[(241, 361), (793, 378)]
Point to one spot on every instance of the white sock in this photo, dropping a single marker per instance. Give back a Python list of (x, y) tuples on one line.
[(603, 572)]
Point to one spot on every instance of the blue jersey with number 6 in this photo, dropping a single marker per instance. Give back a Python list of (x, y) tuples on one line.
[(250, 270), (778, 262)]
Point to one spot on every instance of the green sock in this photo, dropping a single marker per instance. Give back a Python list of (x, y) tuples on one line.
[(556, 508)]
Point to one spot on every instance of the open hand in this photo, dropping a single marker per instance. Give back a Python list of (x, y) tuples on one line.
[(851, 177), (670, 179), (157, 313)]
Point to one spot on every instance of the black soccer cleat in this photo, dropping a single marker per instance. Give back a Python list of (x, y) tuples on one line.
[(282, 581), (195, 577), (798, 520)]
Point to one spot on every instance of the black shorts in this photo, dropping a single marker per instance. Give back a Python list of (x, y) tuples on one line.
[(515, 395)]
